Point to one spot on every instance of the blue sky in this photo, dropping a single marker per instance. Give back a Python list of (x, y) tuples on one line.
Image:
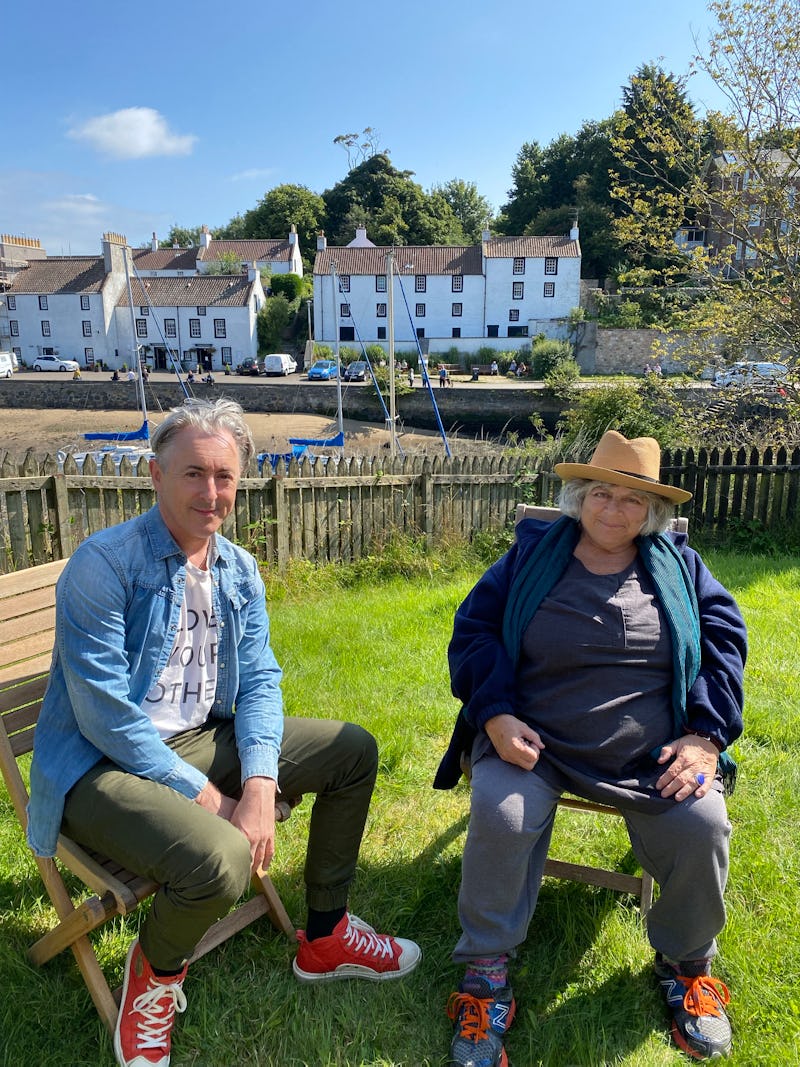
[(134, 117)]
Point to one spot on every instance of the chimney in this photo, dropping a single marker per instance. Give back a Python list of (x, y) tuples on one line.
[(322, 244), (205, 237), (574, 233), (252, 272), (293, 234), (486, 235), (154, 243)]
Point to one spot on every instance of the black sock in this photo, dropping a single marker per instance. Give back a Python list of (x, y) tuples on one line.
[(164, 974), (322, 923)]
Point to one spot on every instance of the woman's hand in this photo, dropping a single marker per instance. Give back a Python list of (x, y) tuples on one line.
[(692, 770), (514, 741)]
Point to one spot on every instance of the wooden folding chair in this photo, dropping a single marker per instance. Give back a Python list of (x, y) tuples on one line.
[(27, 622), (640, 885)]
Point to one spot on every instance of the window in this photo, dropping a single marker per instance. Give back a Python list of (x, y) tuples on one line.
[(550, 265), (194, 327), (84, 303), (17, 352), (144, 311), (420, 283), (380, 283), (518, 291), (344, 283), (517, 331), (380, 311), (347, 333), (513, 315), (420, 311), (492, 331), (344, 311), (43, 303), (13, 325), (45, 328), (86, 327), (457, 283), (219, 328), (169, 328), (519, 264), (227, 351), (201, 311), (11, 303), (88, 355), (381, 333), (456, 331), (549, 289), (455, 310), (420, 332), (141, 327)]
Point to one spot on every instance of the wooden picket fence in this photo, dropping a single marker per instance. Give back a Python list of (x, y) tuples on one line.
[(341, 511)]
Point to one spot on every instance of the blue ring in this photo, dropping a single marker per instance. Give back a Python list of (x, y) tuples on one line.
[(700, 779)]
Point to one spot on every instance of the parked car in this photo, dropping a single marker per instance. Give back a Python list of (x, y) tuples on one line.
[(750, 372), (7, 365), (54, 363), (323, 370), (279, 363), (356, 371), (250, 366)]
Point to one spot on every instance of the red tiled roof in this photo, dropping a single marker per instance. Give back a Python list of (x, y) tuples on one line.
[(247, 251), (61, 274), (424, 259), (201, 290), (531, 247), (166, 259)]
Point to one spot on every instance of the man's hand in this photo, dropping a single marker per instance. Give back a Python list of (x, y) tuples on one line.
[(255, 817), (691, 757), (217, 803), (514, 741)]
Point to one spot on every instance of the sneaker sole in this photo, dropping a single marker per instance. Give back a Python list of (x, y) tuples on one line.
[(685, 1047), (351, 970)]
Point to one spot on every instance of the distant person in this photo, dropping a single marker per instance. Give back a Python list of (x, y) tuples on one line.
[(513, 366), (145, 374), (115, 375), (494, 369), (131, 376), (443, 377), (76, 374), (208, 379), (411, 377), (521, 370), (190, 378)]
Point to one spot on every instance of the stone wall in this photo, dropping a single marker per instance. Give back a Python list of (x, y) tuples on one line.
[(627, 352)]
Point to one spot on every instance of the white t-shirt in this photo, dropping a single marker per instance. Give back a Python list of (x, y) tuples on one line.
[(184, 694)]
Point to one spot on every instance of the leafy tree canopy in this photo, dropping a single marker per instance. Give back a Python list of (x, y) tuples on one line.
[(473, 211), (277, 211)]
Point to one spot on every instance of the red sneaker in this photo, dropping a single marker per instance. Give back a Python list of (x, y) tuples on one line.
[(354, 950), (142, 1037)]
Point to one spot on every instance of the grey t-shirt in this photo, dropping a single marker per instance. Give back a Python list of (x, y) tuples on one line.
[(594, 680)]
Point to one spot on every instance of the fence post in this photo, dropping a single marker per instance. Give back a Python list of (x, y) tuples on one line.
[(281, 517), (63, 524), (426, 493)]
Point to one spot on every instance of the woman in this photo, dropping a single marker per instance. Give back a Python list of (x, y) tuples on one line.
[(599, 656)]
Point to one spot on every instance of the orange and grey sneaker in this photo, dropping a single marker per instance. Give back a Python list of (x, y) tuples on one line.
[(697, 1002), (142, 1037), (482, 1015), (354, 950)]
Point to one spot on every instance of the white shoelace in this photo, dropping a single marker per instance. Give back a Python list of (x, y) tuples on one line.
[(157, 1006), (362, 939)]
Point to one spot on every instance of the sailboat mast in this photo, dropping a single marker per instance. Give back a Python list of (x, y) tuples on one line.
[(390, 309), (335, 281), (135, 346)]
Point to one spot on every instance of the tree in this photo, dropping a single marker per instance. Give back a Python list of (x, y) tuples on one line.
[(393, 208), (182, 237), (527, 196), (277, 211), (738, 172), (271, 323), (473, 211), (360, 146), (228, 263)]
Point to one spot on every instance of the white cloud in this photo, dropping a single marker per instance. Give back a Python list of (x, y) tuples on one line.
[(251, 174), (133, 133)]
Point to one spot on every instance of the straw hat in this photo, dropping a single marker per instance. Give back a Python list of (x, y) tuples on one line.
[(618, 461)]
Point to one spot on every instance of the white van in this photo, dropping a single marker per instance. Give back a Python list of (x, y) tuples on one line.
[(279, 363), (8, 364)]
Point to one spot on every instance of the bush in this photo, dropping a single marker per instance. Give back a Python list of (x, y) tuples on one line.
[(288, 285), (547, 355), (562, 377), (631, 409)]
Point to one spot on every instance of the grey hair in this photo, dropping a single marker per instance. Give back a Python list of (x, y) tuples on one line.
[(659, 510), (210, 416)]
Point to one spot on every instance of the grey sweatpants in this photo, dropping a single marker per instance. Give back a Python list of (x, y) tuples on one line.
[(201, 861), (685, 849)]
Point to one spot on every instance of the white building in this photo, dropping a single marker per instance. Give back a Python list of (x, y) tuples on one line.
[(495, 294), (78, 307)]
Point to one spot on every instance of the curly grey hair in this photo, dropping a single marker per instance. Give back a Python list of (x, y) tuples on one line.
[(659, 510), (210, 416)]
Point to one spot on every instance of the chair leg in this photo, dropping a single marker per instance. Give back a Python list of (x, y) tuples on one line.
[(646, 895)]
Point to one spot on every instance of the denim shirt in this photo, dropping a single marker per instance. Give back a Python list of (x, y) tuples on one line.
[(118, 604)]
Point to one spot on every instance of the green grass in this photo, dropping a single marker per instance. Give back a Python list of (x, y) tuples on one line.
[(361, 646)]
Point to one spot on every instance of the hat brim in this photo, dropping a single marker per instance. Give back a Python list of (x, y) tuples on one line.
[(589, 471)]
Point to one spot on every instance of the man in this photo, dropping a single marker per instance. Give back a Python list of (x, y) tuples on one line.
[(161, 632)]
